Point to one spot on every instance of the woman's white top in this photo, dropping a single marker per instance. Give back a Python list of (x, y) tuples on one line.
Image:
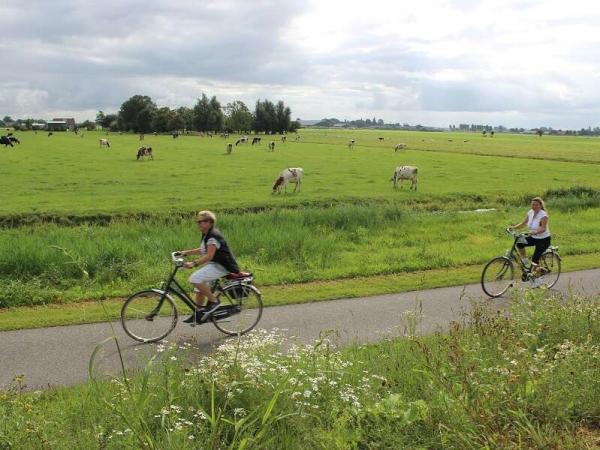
[(533, 223)]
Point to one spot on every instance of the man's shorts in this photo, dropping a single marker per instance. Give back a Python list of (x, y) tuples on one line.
[(208, 273)]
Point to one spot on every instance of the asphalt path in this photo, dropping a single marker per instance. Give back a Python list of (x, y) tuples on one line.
[(60, 356)]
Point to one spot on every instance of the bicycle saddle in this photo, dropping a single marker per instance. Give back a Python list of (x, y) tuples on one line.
[(239, 275)]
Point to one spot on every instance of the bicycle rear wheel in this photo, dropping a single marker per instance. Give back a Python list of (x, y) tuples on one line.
[(148, 316), (241, 309), (497, 276), (550, 267)]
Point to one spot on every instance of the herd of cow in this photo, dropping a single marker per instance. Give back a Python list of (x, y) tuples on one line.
[(290, 175)]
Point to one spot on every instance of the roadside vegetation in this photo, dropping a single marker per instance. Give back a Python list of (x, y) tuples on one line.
[(82, 223), (528, 381)]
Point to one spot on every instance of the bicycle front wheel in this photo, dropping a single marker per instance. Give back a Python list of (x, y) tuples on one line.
[(241, 309), (497, 276), (148, 316), (550, 267)]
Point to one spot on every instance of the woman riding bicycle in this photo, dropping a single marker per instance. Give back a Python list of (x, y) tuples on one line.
[(217, 261), (539, 233)]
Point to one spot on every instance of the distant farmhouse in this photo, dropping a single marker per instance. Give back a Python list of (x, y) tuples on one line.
[(61, 124)]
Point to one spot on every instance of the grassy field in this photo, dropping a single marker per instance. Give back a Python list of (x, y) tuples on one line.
[(528, 382), (69, 175), (116, 219)]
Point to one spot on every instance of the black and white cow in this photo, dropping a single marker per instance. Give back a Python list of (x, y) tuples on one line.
[(5, 140), (144, 151)]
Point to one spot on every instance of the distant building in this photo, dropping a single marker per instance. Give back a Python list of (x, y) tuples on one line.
[(70, 123), (56, 125), (38, 126)]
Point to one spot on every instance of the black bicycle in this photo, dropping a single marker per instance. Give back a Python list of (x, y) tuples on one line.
[(498, 274), (150, 315)]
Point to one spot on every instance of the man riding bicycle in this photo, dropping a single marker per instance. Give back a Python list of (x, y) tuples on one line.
[(217, 261)]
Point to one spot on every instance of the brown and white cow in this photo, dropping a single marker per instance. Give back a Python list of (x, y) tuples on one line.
[(104, 143), (405, 173), (283, 139), (351, 144), (289, 175), (399, 147)]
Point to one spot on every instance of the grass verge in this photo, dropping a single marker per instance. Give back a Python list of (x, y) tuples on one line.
[(93, 311), (527, 381)]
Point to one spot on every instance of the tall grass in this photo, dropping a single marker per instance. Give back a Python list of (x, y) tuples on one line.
[(52, 263), (527, 381)]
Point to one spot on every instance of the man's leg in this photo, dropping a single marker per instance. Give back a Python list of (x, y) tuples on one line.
[(204, 291)]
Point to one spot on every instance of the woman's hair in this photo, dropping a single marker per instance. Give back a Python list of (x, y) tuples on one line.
[(540, 201), (207, 215)]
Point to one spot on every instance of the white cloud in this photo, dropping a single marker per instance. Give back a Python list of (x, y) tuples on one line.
[(515, 62)]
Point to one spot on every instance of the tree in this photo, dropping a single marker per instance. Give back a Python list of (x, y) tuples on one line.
[(238, 117), (100, 117), (265, 118), (207, 115), (283, 116), (7, 119), (136, 114), (186, 115), (161, 120), (539, 132)]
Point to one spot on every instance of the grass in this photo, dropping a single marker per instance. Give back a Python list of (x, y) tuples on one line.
[(84, 223), (50, 315), (68, 175), (50, 263), (528, 382)]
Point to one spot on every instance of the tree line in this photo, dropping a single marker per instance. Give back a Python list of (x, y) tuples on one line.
[(141, 115)]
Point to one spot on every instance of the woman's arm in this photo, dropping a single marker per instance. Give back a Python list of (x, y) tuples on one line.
[(519, 225), (542, 228)]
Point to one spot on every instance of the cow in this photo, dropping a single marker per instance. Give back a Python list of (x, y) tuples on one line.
[(290, 175), (241, 140), (229, 148), (50, 133), (283, 139), (381, 139), (271, 146), (351, 144), (175, 134), (13, 139), (5, 140), (255, 140), (224, 135), (405, 173), (466, 140), (141, 136), (399, 147), (144, 151), (297, 138), (104, 143), (449, 140)]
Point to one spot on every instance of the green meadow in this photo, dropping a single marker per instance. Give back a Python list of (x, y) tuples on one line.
[(80, 222), (68, 175)]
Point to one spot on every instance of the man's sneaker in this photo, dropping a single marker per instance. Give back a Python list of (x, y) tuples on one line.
[(211, 307)]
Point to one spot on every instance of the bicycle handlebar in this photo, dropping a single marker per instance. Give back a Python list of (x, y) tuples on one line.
[(177, 259), (516, 234)]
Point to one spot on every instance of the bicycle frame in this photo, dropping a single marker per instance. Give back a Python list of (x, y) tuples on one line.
[(172, 286)]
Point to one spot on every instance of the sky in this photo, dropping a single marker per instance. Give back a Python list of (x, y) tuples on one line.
[(517, 63)]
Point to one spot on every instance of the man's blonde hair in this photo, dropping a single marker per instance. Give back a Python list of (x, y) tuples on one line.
[(540, 201), (207, 215)]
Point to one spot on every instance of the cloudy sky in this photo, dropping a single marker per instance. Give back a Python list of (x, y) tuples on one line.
[(436, 62)]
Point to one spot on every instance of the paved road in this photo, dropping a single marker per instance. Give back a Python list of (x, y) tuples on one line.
[(59, 356)]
